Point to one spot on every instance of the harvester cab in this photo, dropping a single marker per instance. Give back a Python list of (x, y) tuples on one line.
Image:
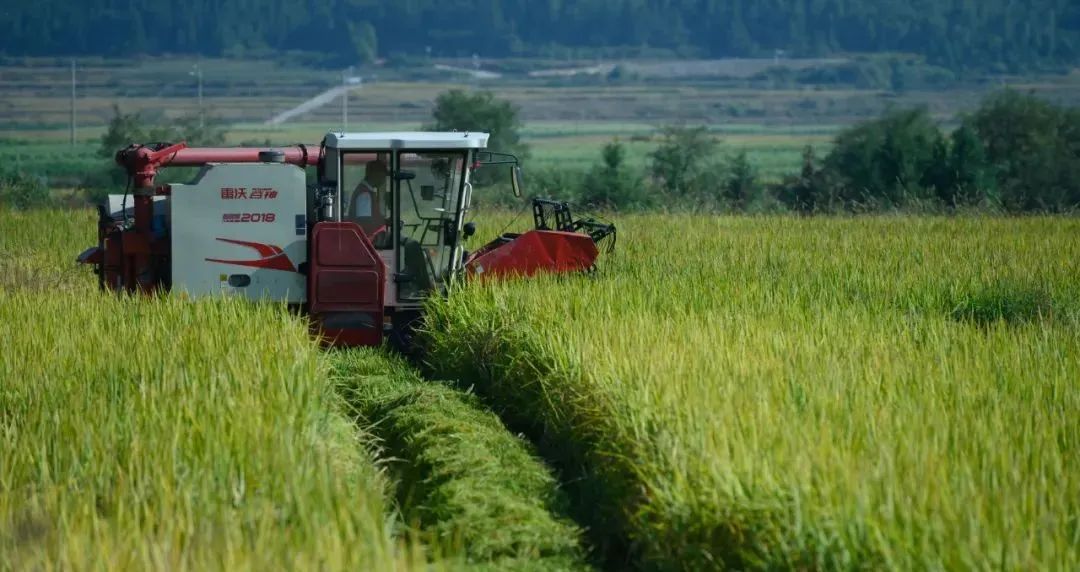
[(357, 232)]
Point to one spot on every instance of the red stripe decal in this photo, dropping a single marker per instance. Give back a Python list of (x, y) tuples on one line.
[(273, 258)]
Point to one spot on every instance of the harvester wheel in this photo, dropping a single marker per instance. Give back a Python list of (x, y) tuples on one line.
[(403, 332)]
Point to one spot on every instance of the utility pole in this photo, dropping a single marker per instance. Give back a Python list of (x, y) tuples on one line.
[(72, 103), (196, 70), (346, 77)]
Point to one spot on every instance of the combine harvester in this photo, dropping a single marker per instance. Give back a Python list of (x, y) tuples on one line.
[(381, 228)]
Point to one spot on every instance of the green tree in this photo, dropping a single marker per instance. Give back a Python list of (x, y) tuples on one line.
[(1016, 151), (196, 131), (808, 191), (680, 164), (130, 128), (22, 191), (961, 34), (741, 183), (364, 41), (1035, 148), (885, 161), (458, 110), (969, 177), (127, 128), (611, 184)]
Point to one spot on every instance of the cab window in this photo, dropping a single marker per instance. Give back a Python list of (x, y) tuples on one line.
[(429, 190), (366, 195)]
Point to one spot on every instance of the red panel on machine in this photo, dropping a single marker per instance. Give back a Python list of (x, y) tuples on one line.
[(536, 251), (345, 285), (338, 287)]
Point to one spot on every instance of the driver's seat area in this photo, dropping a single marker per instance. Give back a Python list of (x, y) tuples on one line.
[(419, 279)]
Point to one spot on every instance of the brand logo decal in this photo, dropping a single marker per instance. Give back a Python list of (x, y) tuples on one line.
[(273, 258), (243, 193)]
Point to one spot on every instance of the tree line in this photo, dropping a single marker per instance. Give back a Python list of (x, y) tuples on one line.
[(1016, 153), (958, 34)]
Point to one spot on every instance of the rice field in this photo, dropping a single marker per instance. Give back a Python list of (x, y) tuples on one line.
[(723, 393), (777, 393), (164, 434), (151, 433)]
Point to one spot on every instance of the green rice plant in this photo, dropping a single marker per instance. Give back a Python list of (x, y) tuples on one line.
[(890, 392), (1003, 302), (764, 393), (475, 492), (153, 433), (38, 250)]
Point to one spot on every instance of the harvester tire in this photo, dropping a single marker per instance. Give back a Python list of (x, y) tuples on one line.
[(403, 332)]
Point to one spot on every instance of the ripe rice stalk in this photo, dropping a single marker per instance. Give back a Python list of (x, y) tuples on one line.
[(151, 433), (884, 392)]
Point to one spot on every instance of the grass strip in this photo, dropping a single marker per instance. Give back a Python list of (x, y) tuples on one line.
[(472, 489)]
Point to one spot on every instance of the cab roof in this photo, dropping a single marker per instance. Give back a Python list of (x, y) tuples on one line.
[(418, 140)]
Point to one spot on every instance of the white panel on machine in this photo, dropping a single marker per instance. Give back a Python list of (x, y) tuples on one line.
[(241, 230)]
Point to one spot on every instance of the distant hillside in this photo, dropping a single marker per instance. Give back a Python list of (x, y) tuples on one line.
[(958, 34)]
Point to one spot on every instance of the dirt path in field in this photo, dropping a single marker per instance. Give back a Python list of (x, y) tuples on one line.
[(600, 69), (473, 73), (312, 104)]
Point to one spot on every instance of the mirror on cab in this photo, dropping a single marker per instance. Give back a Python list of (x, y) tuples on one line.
[(515, 180)]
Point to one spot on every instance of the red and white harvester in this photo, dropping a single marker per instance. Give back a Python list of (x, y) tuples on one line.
[(379, 227)]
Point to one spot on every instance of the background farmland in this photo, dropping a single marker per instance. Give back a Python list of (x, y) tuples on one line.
[(566, 119)]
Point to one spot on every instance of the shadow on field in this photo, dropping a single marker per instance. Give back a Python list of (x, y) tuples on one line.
[(1006, 303), (997, 304)]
